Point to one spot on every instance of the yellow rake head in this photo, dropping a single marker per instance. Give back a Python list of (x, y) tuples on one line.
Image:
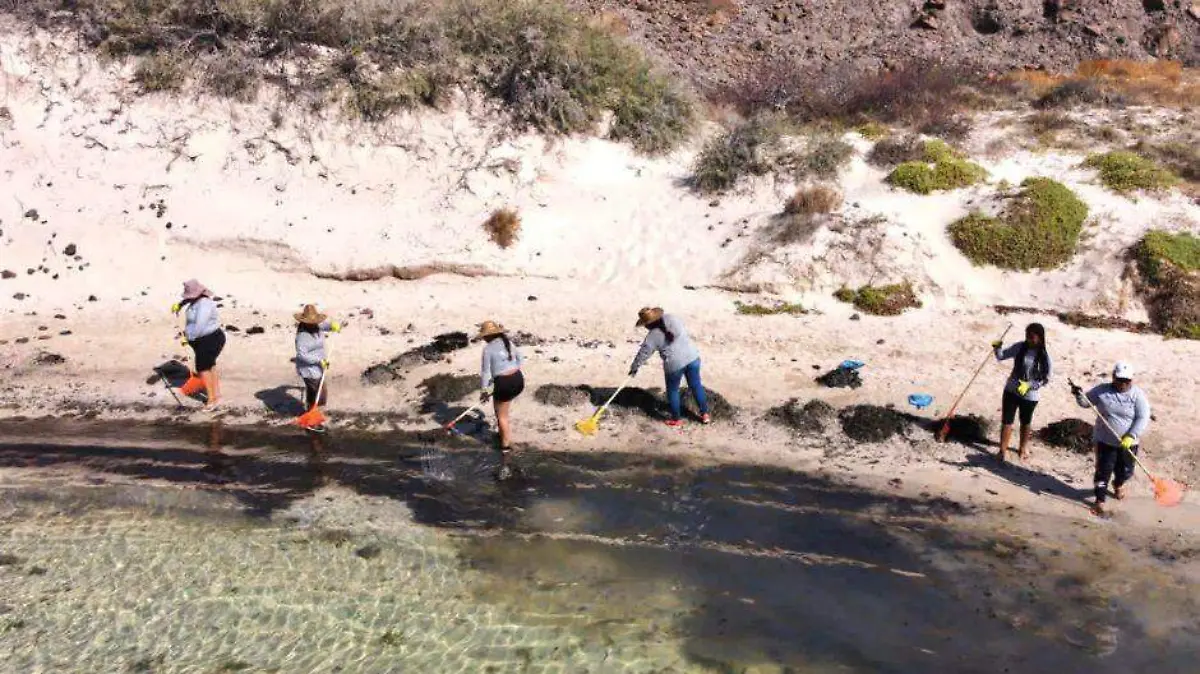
[(588, 426)]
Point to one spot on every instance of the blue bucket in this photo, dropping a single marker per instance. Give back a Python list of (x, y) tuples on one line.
[(851, 364)]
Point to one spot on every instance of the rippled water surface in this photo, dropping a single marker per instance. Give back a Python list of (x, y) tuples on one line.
[(152, 549)]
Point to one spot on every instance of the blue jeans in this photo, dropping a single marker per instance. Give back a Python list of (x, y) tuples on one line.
[(692, 372)]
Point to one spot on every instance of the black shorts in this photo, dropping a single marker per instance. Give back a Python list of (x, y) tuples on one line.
[(507, 387), (1009, 406), (207, 349)]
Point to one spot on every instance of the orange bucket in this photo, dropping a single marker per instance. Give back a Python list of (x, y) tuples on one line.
[(192, 386)]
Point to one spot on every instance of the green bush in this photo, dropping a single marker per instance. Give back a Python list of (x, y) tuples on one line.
[(775, 309), (874, 131), (160, 72), (1039, 229), (1124, 171), (1169, 270), (889, 300), (943, 168), (748, 149), (824, 157), (550, 69)]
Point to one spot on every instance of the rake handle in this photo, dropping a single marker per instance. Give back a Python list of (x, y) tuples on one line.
[(472, 408), (1104, 420), (954, 407), (612, 397), (321, 384)]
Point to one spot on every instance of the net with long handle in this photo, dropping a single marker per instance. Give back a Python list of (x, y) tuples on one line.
[(1167, 492)]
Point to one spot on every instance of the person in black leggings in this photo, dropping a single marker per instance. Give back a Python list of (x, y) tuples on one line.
[(501, 381), (1030, 372)]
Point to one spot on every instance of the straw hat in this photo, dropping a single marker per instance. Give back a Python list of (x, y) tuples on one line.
[(489, 329), (648, 315), (193, 289), (310, 316)]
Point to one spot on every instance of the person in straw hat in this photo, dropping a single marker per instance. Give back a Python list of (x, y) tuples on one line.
[(1126, 409), (203, 333), (311, 358), (681, 359), (501, 379)]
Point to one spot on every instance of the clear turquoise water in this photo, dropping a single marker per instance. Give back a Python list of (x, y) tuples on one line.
[(131, 550)]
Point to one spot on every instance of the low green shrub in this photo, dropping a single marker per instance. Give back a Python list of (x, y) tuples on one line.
[(1169, 281), (942, 168), (748, 149), (775, 309), (824, 157), (1038, 229), (1124, 171), (160, 72), (548, 68), (874, 131), (889, 300)]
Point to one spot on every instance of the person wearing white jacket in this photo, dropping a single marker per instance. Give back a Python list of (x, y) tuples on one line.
[(1126, 409)]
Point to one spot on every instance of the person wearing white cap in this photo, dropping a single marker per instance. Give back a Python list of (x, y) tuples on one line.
[(1127, 410)]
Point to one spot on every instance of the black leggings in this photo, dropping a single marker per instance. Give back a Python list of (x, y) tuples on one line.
[(1009, 406), (310, 391), (1110, 460)]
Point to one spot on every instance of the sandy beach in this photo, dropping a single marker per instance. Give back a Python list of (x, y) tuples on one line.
[(113, 200)]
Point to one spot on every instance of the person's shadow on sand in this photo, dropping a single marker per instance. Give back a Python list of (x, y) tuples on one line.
[(280, 400), (1036, 482)]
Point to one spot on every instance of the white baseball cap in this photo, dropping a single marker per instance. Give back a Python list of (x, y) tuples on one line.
[(1123, 370)]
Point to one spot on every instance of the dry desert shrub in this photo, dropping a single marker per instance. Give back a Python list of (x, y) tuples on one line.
[(1113, 83), (503, 226), (813, 200)]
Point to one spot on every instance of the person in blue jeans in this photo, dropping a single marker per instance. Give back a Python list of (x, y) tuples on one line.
[(666, 335)]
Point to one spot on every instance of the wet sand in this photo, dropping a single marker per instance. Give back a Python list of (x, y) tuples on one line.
[(167, 548)]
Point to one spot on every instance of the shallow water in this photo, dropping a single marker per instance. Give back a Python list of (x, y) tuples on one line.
[(161, 549)]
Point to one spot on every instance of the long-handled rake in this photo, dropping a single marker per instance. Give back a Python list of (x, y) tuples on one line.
[(451, 426), (1167, 492), (945, 429), (590, 425)]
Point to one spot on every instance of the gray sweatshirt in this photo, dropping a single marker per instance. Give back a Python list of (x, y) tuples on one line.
[(1026, 371), (202, 319), (496, 361), (1128, 413), (676, 355), (310, 351)]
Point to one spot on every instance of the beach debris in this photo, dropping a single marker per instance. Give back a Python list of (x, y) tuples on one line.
[(70, 250), (448, 388), (920, 400), (971, 428), (840, 377), (851, 364), (8, 274), (813, 416), (256, 330), (557, 395), (394, 369), (47, 358), (1071, 434), (871, 423)]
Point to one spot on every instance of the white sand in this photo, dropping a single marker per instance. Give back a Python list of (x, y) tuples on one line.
[(604, 232)]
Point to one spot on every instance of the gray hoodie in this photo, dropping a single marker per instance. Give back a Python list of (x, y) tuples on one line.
[(677, 355), (310, 351), (1026, 370), (1128, 413), (202, 319)]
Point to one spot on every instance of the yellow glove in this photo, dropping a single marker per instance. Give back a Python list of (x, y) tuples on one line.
[(1128, 442), (183, 342), (997, 344), (1022, 387), (324, 365), (175, 308)]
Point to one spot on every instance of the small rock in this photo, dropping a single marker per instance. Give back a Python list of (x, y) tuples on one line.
[(879, 341), (69, 250), (21, 340), (368, 551), (47, 358), (60, 317), (532, 298), (855, 317), (7, 274), (92, 298), (32, 214), (232, 328), (19, 296), (255, 330)]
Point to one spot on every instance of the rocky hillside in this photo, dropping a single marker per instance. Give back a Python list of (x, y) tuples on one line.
[(718, 41)]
